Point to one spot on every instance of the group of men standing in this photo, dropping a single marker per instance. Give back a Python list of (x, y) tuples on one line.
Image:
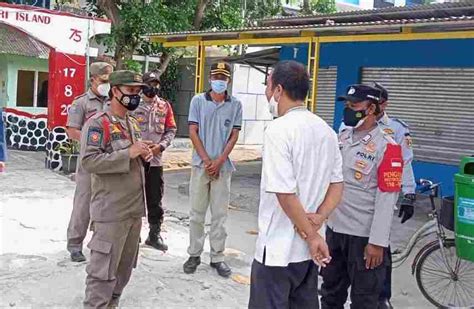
[(310, 178)]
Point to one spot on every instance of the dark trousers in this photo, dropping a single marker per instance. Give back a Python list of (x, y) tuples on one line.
[(347, 269), (154, 186), (294, 286), (387, 286)]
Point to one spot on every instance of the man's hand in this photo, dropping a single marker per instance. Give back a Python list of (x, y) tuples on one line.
[(155, 149), (319, 250), (316, 220), (139, 148), (406, 207), (373, 256), (214, 167)]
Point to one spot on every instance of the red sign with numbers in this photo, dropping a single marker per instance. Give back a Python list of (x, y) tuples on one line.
[(67, 75)]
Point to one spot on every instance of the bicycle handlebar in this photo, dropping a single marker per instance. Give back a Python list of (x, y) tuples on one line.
[(427, 185)]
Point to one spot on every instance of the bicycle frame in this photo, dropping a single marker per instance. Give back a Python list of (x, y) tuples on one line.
[(427, 229)]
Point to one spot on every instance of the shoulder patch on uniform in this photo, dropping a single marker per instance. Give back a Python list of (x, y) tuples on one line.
[(389, 173), (94, 136), (403, 123)]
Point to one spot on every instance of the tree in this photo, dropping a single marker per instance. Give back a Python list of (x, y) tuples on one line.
[(318, 6), (133, 19)]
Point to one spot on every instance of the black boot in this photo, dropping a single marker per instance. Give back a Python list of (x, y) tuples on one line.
[(154, 238)]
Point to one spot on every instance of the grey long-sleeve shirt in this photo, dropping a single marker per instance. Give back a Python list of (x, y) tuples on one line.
[(372, 169)]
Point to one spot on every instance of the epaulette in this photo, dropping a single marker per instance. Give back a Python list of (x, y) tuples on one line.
[(133, 117), (80, 96), (97, 115), (389, 139), (403, 123)]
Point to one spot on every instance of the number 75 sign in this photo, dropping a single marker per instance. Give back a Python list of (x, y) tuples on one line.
[(66, 83)]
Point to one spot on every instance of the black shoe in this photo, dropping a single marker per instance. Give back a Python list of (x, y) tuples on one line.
[(157, 243), (77, 256), (154, 238), (385, 304), (191, 264), (222, 269)]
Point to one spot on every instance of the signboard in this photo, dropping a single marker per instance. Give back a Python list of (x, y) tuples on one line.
[(66, 81), (65, 32)]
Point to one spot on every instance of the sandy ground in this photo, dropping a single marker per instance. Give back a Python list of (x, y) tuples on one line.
[(35, 270)]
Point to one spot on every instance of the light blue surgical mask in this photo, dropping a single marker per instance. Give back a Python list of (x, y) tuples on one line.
[(218, 86)]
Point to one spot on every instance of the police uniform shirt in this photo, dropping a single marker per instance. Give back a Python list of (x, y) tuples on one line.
[(301, 156), (372, 169), (117, 180), (84, 107), (157, 124)]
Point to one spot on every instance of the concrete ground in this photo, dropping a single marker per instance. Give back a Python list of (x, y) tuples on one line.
[(35, 270)]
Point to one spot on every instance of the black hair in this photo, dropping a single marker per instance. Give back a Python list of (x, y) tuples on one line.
[(293, 78)]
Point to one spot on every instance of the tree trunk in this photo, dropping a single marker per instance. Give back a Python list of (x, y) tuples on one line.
[(165, 61), (199, 15), (111, 10), (119, 57), (306, 9)]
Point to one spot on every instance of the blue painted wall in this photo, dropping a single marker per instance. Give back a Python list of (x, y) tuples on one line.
[(297, 52), (350, 57)]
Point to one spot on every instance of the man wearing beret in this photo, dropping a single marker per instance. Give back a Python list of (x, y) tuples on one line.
[(114, 153)]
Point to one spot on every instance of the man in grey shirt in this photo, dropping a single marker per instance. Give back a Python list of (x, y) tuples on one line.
[(215, 119)]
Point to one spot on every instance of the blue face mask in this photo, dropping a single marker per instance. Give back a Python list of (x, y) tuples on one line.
[(218, 86)]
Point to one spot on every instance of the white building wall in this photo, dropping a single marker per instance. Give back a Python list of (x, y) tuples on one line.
[(249, 87)]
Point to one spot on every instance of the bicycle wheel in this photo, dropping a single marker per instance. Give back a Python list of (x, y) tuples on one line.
[(445, 286)]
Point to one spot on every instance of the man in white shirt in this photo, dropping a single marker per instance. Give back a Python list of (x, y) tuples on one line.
[(301, 185)]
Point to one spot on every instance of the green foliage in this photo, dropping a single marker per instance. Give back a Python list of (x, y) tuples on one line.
[(133, 65), (69, 147), (323, 6)]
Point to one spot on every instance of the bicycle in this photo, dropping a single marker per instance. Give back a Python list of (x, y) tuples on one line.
[(444, 279)]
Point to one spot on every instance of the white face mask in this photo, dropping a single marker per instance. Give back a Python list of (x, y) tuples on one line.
[(273, 107), (103, 89)]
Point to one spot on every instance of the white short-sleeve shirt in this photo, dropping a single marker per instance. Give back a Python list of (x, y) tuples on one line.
[(300, 155)]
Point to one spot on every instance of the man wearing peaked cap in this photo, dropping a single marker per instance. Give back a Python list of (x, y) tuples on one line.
[(156, 119), (359, 228), (215, 119), (83, 107), (114, 153)]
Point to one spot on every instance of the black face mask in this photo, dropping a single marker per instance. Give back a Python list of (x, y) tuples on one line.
[(352, 117), (130, 101), (150, 91)]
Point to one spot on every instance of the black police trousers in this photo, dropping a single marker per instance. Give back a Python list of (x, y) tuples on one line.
[(387, 287), (292, 287), (154, 186), (347, 269)]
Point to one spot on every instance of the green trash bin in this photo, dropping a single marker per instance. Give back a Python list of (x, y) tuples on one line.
[(464, 205)]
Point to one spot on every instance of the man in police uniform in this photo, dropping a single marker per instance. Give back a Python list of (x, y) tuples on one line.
[(113, 152), (82, 108), (359, 228), (156, 119), (399, 131)]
